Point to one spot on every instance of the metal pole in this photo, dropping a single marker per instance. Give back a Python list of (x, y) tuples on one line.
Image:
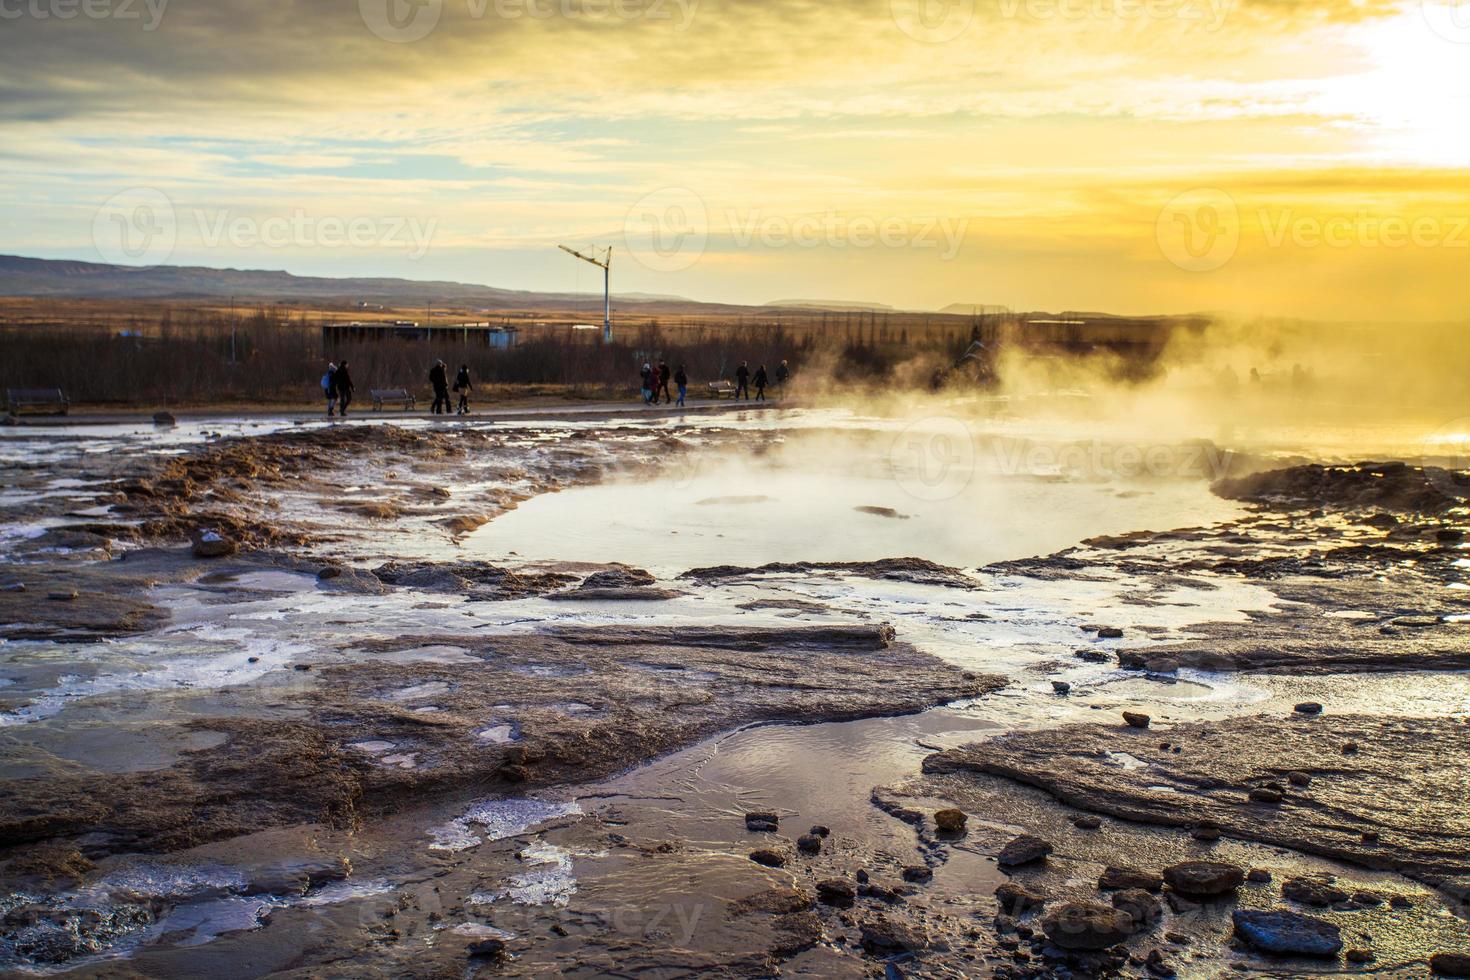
[(607, 302)]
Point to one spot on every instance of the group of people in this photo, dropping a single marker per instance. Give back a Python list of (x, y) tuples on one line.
[(656, 382), (338, 388), (439, 379)]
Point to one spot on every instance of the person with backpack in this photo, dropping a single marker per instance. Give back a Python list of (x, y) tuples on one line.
[(681, 381), (329, 388), (439, 380), (742, 380), (462, 385), (760, 383), (343, 383)]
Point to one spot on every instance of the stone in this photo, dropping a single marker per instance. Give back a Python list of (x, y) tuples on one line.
[(164, 418), (1016, 900), (1023, 850), (487, 949), (769, 858), (211, 544), (809, 844), (62, 595), (836, 891), (1162, 665), (1204, 879), (950, 821), (1142, 906), (1117, 878), (1262, 794), (1287, 933), (1136, 719), (1109, 633), (818, 830), (1312, 890), (328, 573), (762, 821), (882, 936), (1061, 687), (1367, 899), (917, 873), (1087, 926), (1450, 964), (1308, 708), (1156, 966), (1260, 876), (1087, 822), (1359, 956), (1298, 778), (14, 587), (1401, 902), (1205, 832)]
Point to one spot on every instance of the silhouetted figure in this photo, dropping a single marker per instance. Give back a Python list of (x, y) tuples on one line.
[(439, 378), (681, 381), (783, 375), (760, 383), (742, 381), (343, 383), (463, 386), (664, 375), (647, 375), (329, 388)]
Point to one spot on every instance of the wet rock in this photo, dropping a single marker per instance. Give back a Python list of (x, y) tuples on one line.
[(1259, 876), (762, 822), (1091, 656), (1450, 964), (1262, 794), (917, 874), (62, 595), (1401, 902), (1313, 890), (950, 821), (1162, 665), (1109, 633), (1359, 956), (618, 578), (1308, 708), (1060, 687), (1016, 900), (1136, 719), (487, 949), (769, 858), (1157, 966), (1141, 905), (882, 936), (1204, 879), (1359, 487), (212, 544), (329, 572), (1298, 778), (1023, 850), (1287, 933), (836, 891), (1087, 926), (809, 844), (1087, 822), (164, 419), (1117, 878), (1367, 899), (817, 830)]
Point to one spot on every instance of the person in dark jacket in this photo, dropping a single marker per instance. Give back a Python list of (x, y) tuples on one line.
[(439, 379), (664, 376), (343, 383), (463, 386), (760, 383), (742, 380), (681, 381), (783, 375)]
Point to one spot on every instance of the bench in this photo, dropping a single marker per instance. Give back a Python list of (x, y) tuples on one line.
[(722, 387), (399, 396), (49, 399)]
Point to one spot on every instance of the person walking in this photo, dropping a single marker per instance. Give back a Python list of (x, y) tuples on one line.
[(783, 375), (463, 386), (681, 381), (329, 388), (760, 383), (343, 383), (439, 378), (647, 376), (664, 376), (742, 380)]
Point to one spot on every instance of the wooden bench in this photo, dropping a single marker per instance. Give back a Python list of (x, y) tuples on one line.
[(50, 400), (400, 396), (722, 387)]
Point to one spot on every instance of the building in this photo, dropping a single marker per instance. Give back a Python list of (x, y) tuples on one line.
[(441, 334)]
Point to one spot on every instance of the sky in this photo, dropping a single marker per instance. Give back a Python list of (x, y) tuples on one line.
[(1263, 157)]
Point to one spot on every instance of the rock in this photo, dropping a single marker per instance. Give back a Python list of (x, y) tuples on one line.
[(1087, 925), (1061, 687), (329, 572), (917, 873), (1109, 633), (950, 821), (836, 891), (1359, 956), (1263, 795), (62, 595), (1258, 875), (164, 418), (1298, 778), (1313, 890), (819, 831), (1367, 899), (861, 876), (1087, 822), (210, 544), (1116, 878), (1450, 964), (1401, 902), (882, 936), (1287, 933), (1091, 656), (762, 821), (1142, 906), (1015, 900), (14, 587), (1136, 719), (1205, 832), (1204, 879), (1308, 708), (809, 844), (487, 949), (1156, 966), (1023, 850), (1162, 665), (768, 857), (1349, 748)]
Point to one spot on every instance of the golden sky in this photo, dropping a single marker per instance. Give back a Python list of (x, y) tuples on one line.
[(1258, 156)]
